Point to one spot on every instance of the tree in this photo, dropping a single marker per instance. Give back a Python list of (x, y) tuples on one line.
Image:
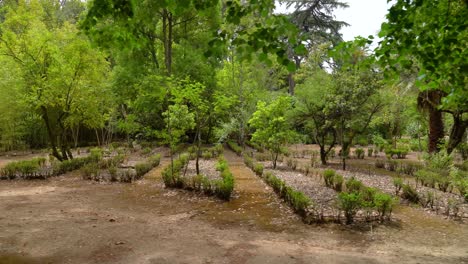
[(431, 36), (178, 121), (316, 25), (62, 75), (313, 112), (272, 127), (355, 99)]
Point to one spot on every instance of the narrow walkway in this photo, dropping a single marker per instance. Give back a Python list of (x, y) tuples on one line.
[(253, 203)]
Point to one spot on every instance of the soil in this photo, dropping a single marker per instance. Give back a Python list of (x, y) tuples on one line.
[(69, 220)]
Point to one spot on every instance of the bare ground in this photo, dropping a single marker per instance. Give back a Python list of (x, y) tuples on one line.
[(68, 220)]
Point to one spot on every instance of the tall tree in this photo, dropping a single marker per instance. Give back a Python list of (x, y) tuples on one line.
[(58, 68), (431, 36)]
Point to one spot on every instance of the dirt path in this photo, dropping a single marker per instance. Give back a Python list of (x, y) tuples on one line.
[(68, 220)]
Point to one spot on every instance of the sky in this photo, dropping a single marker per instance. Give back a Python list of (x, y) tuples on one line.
[(364, 17)]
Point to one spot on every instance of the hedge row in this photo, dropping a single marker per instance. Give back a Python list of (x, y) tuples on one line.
[(298, 201), (354, 196), (222, 188)]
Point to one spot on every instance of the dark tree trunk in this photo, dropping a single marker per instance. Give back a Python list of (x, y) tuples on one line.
[(167, 39), (457, 132), (323, 155), (50, 133), (436, 129)]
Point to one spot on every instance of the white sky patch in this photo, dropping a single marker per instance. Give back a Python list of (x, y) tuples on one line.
[(364, 16)]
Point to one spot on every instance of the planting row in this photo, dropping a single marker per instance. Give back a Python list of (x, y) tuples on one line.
[(41, 168), (326, 201), (181, 173), (114, 168)]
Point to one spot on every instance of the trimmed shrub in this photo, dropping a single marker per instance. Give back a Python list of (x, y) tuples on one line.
[(459, 180), (207, 155), (384, 203), (380, 164), (353, 185), (350, 203), (258, 169), (146, 151), (155, 160), (410, 194), (328, 176), (359, 152), (248, 161), (398, 183), (235, 147), (142, 168), (338, 183)]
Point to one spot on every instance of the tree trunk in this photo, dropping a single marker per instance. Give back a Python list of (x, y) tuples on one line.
[(167, 39), (323, 155), (50, 133), (436, 129), (457, 132), (292, 83)]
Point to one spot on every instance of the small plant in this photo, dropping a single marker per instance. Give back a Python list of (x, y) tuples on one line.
[(263, 157), (370, 151), (359, 152), (392, 165), (350, 203), (353, 185), (155, 160), (384, 205), (207, 155), (248, 161), (328, 176), (398, 183), (113, 173), (235, 147), (146, 151), (142, 168), (338, 183), (258, 169), (380, 164), (410, 194), (306, 169)]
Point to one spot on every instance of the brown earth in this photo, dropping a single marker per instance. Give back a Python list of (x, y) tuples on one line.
[(69, 220)]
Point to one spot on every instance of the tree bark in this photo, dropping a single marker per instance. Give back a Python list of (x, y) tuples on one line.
[(436, 129), (457, 132)]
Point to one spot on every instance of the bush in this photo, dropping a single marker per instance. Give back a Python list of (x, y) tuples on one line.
[(383, 203), (142, 168), (258, 169), (263, 156), (353, 185), (248, 161), (328, 177), (459, 180), (291, 163), (391, 165), (410, 194), (146, 151), (380, 164), (235, 147), (207, 155), (370, 151), (350, 203), (90, 171), (398, 183), (359, 152), (338, 183), (155, 160)]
